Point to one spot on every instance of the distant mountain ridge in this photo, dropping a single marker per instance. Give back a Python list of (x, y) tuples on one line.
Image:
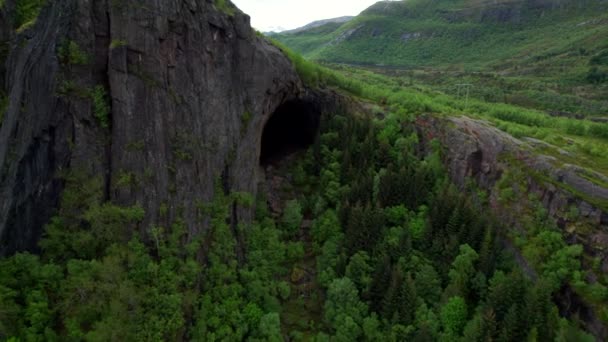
[(438, 32), (549, 55), (318, 23)]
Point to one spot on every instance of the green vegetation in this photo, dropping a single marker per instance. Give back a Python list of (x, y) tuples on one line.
[(399, 254), (549, 58), (26, 12), (446, 33), (596, 76), (373, 242), (225, 6), (98, 96), (116, 43), (71, 54), (583, 139), (101, 107)]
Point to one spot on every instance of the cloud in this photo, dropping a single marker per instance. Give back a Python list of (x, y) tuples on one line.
[(289, 14)]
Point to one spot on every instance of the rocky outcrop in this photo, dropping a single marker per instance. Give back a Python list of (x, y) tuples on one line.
[(407, 36), (346, 35), (189, 88), (474, 149)]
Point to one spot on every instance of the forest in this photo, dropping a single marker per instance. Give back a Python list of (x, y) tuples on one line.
[(398, 254), (359, 236)]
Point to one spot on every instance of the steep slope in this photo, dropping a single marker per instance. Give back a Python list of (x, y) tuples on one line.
[(157, 103), (477, 33), (547, 55), (521, 177), (318, 23), (162, 117)]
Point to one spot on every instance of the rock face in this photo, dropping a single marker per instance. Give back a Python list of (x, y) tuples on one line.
[(189, 89), (476, 150), (5, 33)]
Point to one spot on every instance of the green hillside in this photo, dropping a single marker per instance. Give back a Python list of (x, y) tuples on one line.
[(550, 55), (169, 174)]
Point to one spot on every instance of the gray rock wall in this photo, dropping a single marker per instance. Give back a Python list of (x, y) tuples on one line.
[(190, 89)]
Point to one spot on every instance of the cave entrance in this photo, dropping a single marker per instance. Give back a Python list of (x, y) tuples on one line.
[(291, 128)]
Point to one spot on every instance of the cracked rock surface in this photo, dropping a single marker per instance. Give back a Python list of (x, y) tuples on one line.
[(189, 89)]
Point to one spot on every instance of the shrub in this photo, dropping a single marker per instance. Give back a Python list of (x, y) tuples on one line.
[(596, 76), (26, 13), (101, 108), (70, 53), (599, 130), (115, 43), (292, 217), (225, 6), (600, 59)]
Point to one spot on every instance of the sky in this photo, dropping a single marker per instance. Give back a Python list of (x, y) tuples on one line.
[(274, 15)]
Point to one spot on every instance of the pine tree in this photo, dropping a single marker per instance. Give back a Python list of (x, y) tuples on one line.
[(365, 227), (504, 291), (380, 282), (541, 311), (462, 272), (428, 284), (489, 325), (407, 300), (391, 302), (454, 224), (513, 328), (487, 254)]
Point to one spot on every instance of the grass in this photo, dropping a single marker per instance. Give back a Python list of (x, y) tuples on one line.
[(382, 36), (582, 140), (314, 75), (225, 6), (555, 62)]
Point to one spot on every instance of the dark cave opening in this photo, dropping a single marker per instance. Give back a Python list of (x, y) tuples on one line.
[(291, 128)]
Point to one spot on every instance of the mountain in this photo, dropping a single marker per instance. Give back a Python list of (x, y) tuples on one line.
[(169, 174), (273, 29), (473, 32), (315, 24), (548, 55), (86, 93)]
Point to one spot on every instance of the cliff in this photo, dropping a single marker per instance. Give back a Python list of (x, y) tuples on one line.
[(574, 197), (159, 100)]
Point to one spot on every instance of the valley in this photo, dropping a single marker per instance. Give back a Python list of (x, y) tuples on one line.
[(429, 170)]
